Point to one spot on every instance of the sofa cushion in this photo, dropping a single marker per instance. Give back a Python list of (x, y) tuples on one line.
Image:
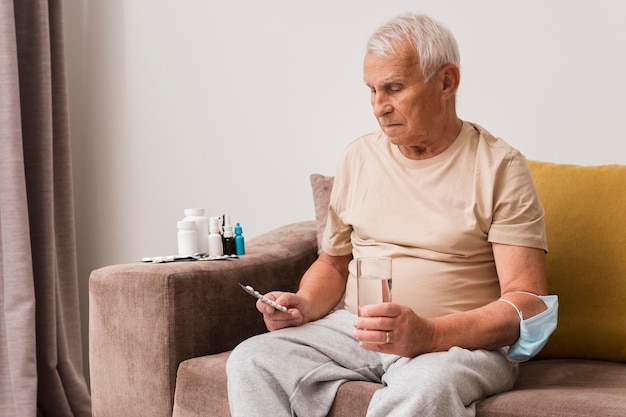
[(562, 387), (201, 388), (586, 227)]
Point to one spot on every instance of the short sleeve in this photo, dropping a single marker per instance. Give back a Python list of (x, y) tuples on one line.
[(336, 240), (518, 217)]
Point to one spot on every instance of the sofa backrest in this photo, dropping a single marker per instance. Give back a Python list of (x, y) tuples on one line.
[(586, 227)]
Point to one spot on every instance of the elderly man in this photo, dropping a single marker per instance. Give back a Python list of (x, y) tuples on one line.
[(456, 210)]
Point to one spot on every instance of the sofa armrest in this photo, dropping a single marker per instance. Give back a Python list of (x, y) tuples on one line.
[(144, 318)]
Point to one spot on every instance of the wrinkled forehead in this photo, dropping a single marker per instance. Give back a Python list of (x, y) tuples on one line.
[(391, 68)]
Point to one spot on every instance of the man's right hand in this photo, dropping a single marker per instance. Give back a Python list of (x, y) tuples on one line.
[(276, 319), (321, 288)]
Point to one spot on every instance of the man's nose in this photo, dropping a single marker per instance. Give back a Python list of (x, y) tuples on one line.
[(381, 105)]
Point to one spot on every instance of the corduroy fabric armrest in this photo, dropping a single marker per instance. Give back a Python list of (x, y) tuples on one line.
[(144, 319)]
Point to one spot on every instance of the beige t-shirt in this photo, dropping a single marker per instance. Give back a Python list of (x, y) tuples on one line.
[(436, 217)]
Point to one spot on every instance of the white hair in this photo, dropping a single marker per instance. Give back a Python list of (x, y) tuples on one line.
[(434, 44)]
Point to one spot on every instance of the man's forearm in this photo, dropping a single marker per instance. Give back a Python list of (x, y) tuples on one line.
[(490, 327), (323, 285)]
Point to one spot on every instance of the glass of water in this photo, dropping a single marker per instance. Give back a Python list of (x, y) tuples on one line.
[(373, 278)]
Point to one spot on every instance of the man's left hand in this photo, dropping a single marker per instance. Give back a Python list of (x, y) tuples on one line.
[(393, 328)]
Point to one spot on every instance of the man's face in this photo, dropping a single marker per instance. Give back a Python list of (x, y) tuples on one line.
[(409, 110)]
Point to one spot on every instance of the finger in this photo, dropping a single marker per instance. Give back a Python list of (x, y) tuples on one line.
[(374, 323), (266, 308), (286, 300), (377, 347), (377, 337), (379, 310), (281, 324)]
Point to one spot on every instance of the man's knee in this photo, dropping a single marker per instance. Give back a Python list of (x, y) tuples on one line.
[(245, 354)]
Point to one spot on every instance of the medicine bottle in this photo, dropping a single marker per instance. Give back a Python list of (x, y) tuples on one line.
[(196, 215), (228, 240), (187, 238), (240, 247), (215, 238)]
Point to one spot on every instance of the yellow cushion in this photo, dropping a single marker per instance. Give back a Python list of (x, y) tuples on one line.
[(586, 226)]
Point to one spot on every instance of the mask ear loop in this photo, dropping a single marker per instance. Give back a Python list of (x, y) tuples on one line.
[(519, 313)]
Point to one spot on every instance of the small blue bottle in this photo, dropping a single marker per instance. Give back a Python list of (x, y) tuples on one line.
[(240, 248)]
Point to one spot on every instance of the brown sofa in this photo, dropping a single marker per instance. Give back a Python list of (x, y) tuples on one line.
[(160, 333)]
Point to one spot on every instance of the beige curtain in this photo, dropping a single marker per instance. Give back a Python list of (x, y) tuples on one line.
[(40, 345)]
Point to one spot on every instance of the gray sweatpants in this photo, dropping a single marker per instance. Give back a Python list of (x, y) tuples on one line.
[(297, 372)]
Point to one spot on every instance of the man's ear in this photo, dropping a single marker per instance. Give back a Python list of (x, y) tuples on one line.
[(450, 77)]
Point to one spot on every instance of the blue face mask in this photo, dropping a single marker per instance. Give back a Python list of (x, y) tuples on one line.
[(534, 331)]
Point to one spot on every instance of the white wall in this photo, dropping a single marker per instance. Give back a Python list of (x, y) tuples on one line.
[(231, 105)]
